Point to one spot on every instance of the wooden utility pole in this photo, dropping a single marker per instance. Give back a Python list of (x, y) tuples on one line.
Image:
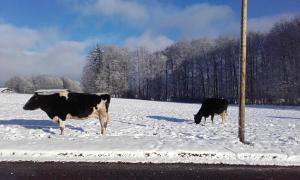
[(243, 71)]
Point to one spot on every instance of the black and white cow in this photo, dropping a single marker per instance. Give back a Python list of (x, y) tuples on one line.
[(210, 107), (64, 105)]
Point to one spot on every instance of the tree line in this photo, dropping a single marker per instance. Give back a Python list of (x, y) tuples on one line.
[(30, 84), (196, 69)]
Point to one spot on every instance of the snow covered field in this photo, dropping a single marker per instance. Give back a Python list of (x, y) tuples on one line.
[(148, 131)]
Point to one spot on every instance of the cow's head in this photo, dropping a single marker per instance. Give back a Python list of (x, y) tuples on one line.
[(33, 103), (197, 118)]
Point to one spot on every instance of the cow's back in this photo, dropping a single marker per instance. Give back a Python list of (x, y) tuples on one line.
[(214, 105), (81, 104)]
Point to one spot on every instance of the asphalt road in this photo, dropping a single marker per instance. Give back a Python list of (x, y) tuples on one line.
[(83, 170)]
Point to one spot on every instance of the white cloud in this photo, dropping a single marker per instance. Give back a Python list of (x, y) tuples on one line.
[(151, 41), (265, 23), (25, 51), (129, 9), (14, 38), (192, 21), (198, 20)]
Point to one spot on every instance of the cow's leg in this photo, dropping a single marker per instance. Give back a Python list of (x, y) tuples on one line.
[(223, 116), (103, 118), (102, 125), (212, 119), (106, 122), (61, 126)]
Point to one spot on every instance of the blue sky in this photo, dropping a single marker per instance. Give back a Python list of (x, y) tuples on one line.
[(53, 36)]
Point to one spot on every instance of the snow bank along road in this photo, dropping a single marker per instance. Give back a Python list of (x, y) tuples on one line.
[(148, 131)]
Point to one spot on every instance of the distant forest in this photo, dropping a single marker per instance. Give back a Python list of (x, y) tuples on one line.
[(30, 84), (193, 70)]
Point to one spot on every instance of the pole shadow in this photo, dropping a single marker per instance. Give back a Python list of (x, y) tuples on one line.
[(170, 119)]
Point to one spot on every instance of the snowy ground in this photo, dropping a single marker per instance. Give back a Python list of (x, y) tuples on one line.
[(148, 131)]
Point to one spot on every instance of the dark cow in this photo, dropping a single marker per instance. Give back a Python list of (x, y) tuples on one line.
[(210, 107), (64, 105)]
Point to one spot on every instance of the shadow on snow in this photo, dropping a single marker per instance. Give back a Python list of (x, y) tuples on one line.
[(44, 125), (165, 118)]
